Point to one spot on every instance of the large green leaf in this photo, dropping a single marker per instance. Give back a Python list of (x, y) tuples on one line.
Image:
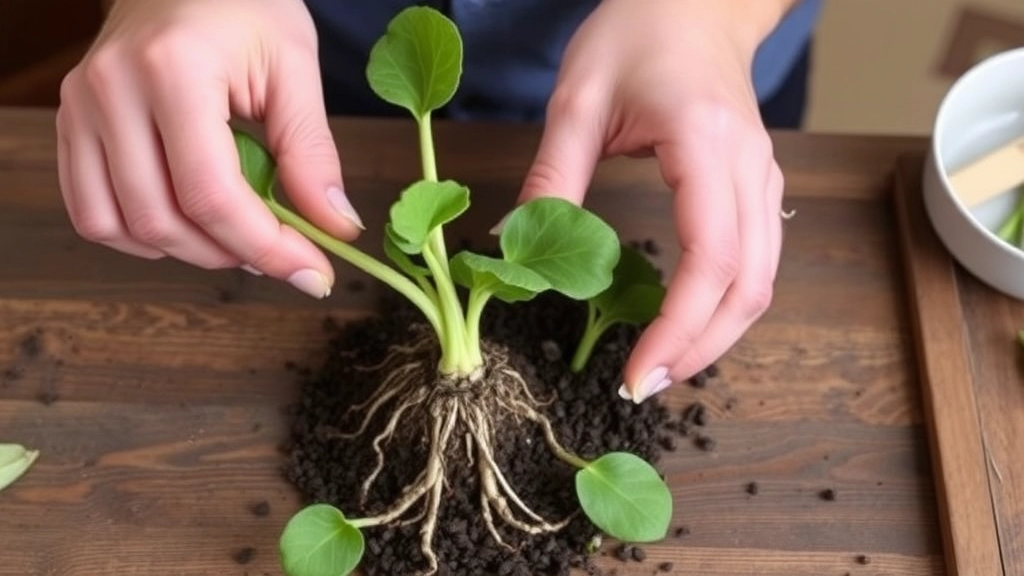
[(507, 281), (417, 63), (624, 496), (636, 292), (256, 163), (422, 207), (570, 247), (15, 460), (319, 541)]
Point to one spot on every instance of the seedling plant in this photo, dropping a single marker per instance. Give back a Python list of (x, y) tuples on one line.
[(460, 388)]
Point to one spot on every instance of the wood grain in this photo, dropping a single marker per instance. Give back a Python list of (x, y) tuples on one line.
[(170, 381), (973, 361), (955, 429)]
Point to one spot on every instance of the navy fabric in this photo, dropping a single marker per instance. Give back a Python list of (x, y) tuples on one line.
[(512, 52)]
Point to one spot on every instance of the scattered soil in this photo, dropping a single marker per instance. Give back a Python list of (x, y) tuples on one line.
[(753, 488), (666, 566), (863, 559), (260, 509), (681, 531), (30, 346), (828, 494), (244, 555), (589, 418)]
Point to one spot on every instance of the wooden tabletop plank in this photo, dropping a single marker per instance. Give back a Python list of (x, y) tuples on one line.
[(170, 382)]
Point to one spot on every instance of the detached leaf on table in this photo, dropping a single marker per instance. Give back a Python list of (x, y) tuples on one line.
[(15, 460)]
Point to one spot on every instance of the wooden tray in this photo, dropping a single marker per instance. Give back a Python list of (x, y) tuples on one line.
[(169, 380), (966, 335)]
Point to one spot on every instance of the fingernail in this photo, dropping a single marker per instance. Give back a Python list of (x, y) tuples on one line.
[(655, 381), (251, 270), (623, 393), (339, 201), (311, 282), (496, 230)]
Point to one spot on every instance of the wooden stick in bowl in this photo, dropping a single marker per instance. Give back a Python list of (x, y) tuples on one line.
[(997, 172)]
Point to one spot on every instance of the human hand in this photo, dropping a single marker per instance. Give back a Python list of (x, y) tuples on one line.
[(671, 78), (147, 162)]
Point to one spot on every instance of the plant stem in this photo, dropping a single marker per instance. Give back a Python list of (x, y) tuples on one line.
[(361, 260), (457, 354), (591, 334), (474, 311), (1011, 229)]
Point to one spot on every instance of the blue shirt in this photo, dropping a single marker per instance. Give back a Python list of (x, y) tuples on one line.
[(512, 51)]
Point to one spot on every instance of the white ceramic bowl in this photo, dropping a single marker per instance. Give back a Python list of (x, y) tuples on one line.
[(983, 110)]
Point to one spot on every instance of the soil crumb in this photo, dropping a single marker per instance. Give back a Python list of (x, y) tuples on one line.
[(260, 509), (244, 555)]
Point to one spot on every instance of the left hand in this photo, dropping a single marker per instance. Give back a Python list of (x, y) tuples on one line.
[(671, 78)]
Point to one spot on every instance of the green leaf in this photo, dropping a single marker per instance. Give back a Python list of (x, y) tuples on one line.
[(15, 460), (507, 281), (636, 292), (256, 163), (423, 207), (417, 63), (570, 247), (399, 257), (319, 541), (624, 496)]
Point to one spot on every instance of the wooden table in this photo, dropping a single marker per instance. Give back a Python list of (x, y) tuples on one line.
[(169, 381)]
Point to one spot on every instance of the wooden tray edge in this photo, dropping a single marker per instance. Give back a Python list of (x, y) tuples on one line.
[(968, 519)]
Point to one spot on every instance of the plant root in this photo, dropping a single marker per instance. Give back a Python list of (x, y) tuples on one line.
[(461, 414)]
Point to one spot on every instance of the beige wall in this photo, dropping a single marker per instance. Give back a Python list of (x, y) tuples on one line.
[(893, 83)]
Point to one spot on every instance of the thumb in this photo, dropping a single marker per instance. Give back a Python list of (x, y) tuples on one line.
[(569, 150), (305, 151)]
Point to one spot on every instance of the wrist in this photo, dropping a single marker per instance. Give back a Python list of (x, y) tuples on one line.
[(746, 22)]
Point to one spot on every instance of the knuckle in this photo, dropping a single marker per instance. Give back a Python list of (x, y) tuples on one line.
[(719, 260), (96, 229), (100, 71), (204, 201), (578, 104), (167, 53), (151, 228), (757, 298)]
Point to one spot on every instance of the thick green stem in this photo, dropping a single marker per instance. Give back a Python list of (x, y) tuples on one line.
[(474, 311), (1011, 229), (591, 334), (361, 260), (454, 357), (457, 353)]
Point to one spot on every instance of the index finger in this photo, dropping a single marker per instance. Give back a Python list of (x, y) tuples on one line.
[(707, 227)]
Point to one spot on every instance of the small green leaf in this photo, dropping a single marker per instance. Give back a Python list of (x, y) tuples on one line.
[(422, 207), (636, 292), (15, 460), (570, 247), (507, 281), (417, 63), (399, 257), (319, 541), (624, 496), (256, 163)]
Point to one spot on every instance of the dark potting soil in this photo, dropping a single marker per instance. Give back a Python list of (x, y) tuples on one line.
[(589, 418)]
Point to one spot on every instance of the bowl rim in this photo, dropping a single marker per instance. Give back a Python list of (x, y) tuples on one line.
[(959, 85)]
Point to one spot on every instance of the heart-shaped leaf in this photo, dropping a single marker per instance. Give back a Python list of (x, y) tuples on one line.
[(417, 63), (636, 292), (257, 165), (15, 460), (507, 281), (570, 247), (319, 541), (624, 496), (422, 207)]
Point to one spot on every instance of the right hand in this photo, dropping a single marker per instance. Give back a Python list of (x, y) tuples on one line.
[(146, 158)]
